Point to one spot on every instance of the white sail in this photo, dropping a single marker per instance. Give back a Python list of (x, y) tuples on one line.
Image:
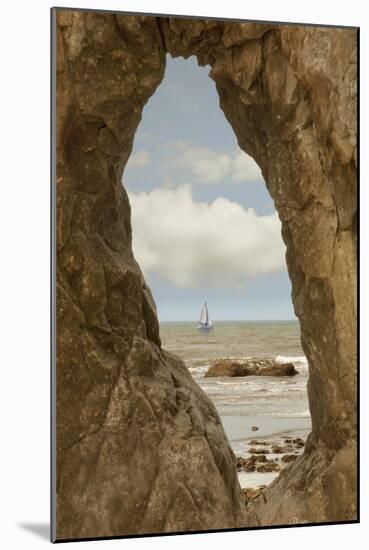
[(204, 315), (205, 323)]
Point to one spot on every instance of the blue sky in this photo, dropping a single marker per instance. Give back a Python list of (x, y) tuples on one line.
[(204, 225)]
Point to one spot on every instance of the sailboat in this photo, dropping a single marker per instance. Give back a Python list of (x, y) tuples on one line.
[(205, 323)]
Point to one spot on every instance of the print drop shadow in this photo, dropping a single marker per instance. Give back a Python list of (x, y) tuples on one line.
[(42, 530)]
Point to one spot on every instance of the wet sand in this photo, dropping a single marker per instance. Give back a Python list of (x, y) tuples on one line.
[(239, 428), (272, 430)]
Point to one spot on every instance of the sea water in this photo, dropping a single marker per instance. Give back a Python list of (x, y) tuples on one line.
[(277, 406)]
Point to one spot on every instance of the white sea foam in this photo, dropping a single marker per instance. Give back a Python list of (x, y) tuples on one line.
[(198, 371), (285, 414), (240, 382), (299, 361), (291, 359)]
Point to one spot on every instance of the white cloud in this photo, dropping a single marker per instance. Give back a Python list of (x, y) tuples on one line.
[(206, 165), (244, 168), (195, 243), (140, 158), (209, 166)]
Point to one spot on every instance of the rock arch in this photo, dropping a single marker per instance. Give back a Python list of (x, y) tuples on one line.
[(140, 448)]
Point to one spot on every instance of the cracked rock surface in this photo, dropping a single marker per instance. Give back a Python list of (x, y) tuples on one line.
[(140, 448)]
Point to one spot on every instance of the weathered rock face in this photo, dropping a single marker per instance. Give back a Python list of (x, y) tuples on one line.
[(290, 95), (140, 448)]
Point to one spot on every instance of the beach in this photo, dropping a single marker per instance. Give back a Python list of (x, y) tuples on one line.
[(264, 409)]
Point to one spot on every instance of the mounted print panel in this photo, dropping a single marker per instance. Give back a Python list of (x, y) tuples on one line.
[(204, 173)]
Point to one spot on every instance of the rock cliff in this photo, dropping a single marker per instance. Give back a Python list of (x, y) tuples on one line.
[(140, 448)]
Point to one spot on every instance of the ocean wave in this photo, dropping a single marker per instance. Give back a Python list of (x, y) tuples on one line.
[(200, 371), (284, 414), (240, 382), (291, 359), (255, 413), (248, 388)]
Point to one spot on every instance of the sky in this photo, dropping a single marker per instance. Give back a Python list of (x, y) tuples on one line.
[(204, 226)]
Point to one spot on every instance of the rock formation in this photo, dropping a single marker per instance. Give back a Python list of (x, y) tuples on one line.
[(250, 367), (140, 448)]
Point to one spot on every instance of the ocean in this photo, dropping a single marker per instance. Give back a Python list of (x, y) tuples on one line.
[(277, 406)]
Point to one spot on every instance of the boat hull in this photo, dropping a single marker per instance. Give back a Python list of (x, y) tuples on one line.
[(205, 328)]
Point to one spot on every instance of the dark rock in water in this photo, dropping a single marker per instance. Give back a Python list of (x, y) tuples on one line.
[(260, 458), (279, 449), (249, 464), (288, 458), (240, 462), (257, 442), (254, 428), (246, 464), (250, 367), (254, 451), (225, 368), (252, 459), (298, 442), (277, 369)]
